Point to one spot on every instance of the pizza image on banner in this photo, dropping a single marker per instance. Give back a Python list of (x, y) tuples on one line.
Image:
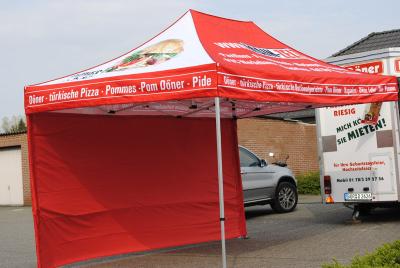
[(152, 55)]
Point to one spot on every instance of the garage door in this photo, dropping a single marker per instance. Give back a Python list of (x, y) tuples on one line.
[(11, 189)]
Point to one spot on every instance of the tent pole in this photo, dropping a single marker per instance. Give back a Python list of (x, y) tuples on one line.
[(220, 180)]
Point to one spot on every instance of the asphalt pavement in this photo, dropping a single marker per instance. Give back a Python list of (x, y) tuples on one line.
[(311, 235), (17, 245)]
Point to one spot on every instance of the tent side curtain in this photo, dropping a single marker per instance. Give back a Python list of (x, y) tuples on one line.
[(111, 185)]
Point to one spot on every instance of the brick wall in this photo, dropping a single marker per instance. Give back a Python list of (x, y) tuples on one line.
[(20, 140), (298, 140)]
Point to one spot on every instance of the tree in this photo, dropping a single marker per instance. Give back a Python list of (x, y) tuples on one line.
[(16, 124), (21, 125), (5, 125)]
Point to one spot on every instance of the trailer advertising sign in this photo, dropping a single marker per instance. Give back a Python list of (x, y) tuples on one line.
[(358, 151)]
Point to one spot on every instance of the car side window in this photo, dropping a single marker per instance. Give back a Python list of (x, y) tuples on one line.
[(248, 159)]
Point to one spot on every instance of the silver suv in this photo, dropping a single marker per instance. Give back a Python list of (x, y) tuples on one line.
[(265, 183)]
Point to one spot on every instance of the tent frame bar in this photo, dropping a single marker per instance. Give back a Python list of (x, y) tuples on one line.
[(220, 179)]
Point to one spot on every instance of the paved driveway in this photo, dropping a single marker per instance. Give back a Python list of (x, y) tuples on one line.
[(17, 246), (308, 237)]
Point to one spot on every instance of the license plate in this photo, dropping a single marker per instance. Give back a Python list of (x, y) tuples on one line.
[(357, 196)]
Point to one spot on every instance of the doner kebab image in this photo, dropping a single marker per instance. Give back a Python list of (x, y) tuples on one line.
[(151, 55)]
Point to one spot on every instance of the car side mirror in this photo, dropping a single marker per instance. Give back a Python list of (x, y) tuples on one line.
[(263, 163)]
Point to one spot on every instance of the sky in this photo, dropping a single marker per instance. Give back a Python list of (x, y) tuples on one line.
[(42, 40)]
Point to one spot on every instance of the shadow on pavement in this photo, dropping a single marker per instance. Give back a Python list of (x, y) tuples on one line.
[(268, 232), (261, 211), (382, 215)]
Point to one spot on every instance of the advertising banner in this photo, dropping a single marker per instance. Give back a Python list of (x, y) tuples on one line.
[(397, 65), (358, 151), (375, 67)]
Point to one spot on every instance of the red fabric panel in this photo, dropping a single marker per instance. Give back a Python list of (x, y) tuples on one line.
[(114, 184), (255, 66)]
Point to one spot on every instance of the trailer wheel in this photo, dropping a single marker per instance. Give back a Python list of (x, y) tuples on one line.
[(356, 214), (365, 209), (361, 210)]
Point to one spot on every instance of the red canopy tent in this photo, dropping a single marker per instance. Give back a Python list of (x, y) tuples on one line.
[(122, 154)]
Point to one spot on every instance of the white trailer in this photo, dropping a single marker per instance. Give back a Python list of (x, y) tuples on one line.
[(359, 162), (359, 145)]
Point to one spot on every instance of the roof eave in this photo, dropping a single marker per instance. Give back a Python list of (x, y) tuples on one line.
[(364, 56)]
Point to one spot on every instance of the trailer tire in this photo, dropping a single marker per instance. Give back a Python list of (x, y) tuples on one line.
[(365, 209), (361, 210)]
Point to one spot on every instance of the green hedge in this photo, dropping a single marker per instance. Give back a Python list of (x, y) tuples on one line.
[(308, 183), (385, 256)]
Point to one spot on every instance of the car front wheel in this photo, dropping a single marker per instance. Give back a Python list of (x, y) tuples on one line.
[(285, 198)]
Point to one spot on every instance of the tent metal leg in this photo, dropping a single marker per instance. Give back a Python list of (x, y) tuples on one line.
[(220, 179)]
